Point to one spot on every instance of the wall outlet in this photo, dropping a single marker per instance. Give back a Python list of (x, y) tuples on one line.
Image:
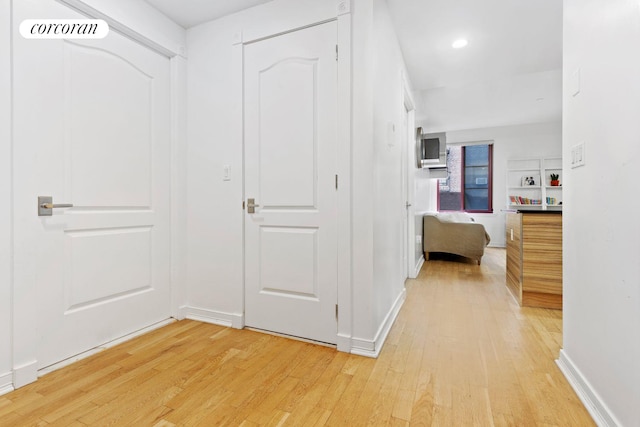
[(418, 240)]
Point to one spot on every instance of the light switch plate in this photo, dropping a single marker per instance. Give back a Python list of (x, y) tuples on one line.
[(226, 173), (578, 155)]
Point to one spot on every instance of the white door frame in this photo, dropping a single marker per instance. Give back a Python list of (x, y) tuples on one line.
[(340, 11), (24, 337), (406, 205), (408, 108)]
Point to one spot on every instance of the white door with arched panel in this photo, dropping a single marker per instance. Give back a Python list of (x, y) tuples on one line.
[(91, 128), (290, 149)]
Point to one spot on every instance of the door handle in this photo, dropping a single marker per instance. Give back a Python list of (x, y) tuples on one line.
[(407, 205), (46, 205), (251, 205)]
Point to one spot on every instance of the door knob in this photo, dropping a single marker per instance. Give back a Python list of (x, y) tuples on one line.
[(251, 205), (46, 205)]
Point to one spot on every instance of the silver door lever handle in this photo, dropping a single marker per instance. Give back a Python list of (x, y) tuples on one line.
[(46, 205), (56, 205), (252, 205)]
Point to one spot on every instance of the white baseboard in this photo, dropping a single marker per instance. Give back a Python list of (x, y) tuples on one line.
[(25, 374), (344, 343), (6, 383), (364, 347), (589, 397), (418, 267), (180, 313), (232, 320), (372, 348)]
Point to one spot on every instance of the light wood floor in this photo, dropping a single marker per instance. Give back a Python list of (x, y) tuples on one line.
[(460, 353)]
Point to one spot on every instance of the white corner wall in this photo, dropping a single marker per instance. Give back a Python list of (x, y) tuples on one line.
[(377, 200), (388, 201), (5, 196), (519, 141), (362, 174), (601, 345), (214, 214), (179, 175)]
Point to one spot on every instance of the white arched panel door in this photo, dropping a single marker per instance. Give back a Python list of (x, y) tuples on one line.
[(91, 129), (290, 172)]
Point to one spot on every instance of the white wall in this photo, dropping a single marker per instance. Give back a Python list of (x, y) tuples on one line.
[(214, 214), (362, 174), (377, 200), (425, 201), (601, 204), (522, 141), (5, 196), (179, 175), (388, 201)]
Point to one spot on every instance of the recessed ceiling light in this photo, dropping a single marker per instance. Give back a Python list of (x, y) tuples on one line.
[(460, 43)]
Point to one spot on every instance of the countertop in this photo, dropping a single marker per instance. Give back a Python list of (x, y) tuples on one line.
[(536, 211)]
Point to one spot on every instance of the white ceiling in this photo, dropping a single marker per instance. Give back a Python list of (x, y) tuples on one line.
[(189, 13), (508, 74), (506, 38)]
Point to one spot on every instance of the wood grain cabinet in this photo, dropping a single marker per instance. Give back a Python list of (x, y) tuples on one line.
[(534, 258)]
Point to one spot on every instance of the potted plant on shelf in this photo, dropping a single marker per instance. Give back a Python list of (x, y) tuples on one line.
[(555, 179)]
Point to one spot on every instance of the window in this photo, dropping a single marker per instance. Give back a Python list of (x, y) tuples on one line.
[(468, 185)]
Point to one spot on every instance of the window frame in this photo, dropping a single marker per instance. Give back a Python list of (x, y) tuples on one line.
[(489, 210)]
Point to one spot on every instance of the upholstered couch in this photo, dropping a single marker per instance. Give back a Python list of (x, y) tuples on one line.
[(454, 233)]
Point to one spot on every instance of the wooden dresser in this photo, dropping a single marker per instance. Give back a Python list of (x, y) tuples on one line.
[(534, 258)]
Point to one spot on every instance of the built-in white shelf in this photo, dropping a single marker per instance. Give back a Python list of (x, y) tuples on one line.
[(540, 170)]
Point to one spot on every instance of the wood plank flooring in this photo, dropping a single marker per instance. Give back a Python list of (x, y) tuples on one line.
[(461, 353)]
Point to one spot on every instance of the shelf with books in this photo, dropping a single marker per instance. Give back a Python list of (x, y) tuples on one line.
[(520, 200), (529, 183)]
